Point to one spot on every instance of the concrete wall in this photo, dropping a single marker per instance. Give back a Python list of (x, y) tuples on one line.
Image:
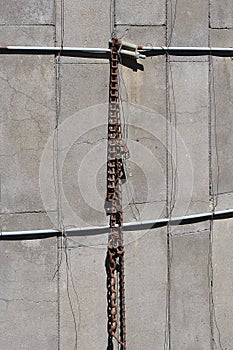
[(179, 116)]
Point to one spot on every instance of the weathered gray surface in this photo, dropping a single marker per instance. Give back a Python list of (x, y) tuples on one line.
[(28, 296), (35, 309), (224, 201), (190, 319), (27, 12), (221, 14), (222, 283), (221, 88), (187, 26), (145, 35), (27, 221), (146, 291), (221, 37), (86, 24), (83, 85), (27, 120), (148, 12), (82, 280), (27, 35), (188, 114), (188, 23)]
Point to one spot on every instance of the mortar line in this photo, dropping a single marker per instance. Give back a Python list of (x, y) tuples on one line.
[(210, 263), (59, 252), (58, 238), (55, 22), (167, 343), (139, 25), (27, 25)]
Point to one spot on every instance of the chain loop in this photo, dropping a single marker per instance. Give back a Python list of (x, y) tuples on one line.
[(117, 150)]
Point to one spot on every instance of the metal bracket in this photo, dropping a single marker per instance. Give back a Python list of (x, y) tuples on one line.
[(128, 49)]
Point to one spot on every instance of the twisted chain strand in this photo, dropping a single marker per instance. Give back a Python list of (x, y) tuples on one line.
[(113, 206)]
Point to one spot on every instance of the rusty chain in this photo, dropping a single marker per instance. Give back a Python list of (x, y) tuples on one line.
[(117, 150)]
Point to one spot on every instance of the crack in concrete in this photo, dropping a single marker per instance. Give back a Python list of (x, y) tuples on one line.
[(27, 300), (190, 232), (29, 212)]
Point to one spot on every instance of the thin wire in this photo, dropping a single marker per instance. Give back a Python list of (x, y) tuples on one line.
[(173, 20), (170, 205), (173, 128), (62, 22), (129, 193), (69, 298), (122, 86), (113, 33), (172, 198), (215, 194), (211, 294), (57, 182), (56, 150), (214, 201)]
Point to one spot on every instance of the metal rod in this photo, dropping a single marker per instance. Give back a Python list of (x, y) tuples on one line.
[(186, 51), (105, 53), (65, 51), (131, 226)]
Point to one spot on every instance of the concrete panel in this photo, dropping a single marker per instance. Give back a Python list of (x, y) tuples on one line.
[(84, 115), (222, 124), (27, 120), (28, 296), (190, 319), (24, 221), (221, 37), (146, 291), (222, 283), (188, 113), (83, 301), (188, 23), (136, 85), (86, 24), (84, 184), (224, 201), (27, 12), (187, 26), (221, 14), (148, 12), (83, 86), (142, 35), (27, 35)]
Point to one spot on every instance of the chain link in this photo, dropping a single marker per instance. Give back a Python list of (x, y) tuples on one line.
[(117, 150)]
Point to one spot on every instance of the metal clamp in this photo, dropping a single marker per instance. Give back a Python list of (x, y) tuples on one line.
[(129, 49)]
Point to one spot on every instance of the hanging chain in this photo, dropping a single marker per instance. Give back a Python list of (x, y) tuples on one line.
[(117, 150)]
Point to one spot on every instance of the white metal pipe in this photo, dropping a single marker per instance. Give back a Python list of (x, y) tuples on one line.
[(56, 48), (131, 226), (134, 54), (186, 50), (50, 50)]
